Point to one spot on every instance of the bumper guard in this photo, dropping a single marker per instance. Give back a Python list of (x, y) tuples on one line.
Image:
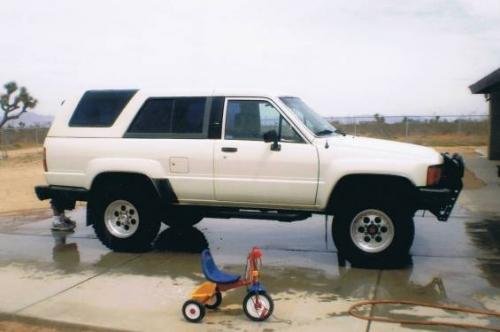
[(441, 199)]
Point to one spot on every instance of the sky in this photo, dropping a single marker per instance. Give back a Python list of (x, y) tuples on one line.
[(343, 58)]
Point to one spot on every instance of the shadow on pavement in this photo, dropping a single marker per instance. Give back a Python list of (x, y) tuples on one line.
[(181, 239)]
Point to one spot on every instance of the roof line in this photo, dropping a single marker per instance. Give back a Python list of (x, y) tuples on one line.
[(487, 84)]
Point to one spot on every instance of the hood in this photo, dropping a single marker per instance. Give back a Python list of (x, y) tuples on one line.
[(377, 146)]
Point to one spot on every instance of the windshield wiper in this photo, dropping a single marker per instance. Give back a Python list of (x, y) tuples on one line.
[(338, 131), (324, 132)]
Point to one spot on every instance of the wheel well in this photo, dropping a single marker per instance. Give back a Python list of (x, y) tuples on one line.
[(122, 179), (355, 185)]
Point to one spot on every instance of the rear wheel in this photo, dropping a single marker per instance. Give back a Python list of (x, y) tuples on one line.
[(374, 233), (124, 219), (215, 301), (193, 311)]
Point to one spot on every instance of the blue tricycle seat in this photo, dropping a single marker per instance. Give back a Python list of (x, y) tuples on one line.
[(212, 272)]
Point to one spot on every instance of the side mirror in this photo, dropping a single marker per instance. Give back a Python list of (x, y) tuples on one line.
[(272, 136)]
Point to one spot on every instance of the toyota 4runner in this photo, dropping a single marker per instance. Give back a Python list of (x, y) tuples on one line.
[(139, 158)]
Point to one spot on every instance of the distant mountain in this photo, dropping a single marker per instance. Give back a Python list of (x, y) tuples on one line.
[(32, 119)]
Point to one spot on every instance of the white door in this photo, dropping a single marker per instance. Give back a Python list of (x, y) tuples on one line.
[(249, 170)]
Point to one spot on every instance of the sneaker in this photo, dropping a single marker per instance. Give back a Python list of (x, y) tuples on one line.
[(69, 221), (62, 225)]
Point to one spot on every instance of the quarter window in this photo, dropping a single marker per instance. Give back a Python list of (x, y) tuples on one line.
[(184, 117), (251, 119), (100, 108)]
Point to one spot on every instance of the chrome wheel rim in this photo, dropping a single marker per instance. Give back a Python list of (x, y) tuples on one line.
[(121, 219), (372, 231), (258, 306)]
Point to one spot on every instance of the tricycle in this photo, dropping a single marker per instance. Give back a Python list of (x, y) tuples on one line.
[(257, 304)]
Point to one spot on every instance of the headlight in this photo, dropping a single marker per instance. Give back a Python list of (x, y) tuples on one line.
[(434, 175)]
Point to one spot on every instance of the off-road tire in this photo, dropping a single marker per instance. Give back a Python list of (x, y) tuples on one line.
[(396, 254), (147, 209)]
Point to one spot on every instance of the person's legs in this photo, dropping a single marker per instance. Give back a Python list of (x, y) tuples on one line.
[(61, 222)]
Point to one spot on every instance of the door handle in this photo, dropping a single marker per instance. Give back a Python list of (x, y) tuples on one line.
[(227, 149)]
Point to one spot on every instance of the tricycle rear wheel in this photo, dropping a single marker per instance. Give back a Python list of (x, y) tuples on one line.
[(193, 311), (215, 301)]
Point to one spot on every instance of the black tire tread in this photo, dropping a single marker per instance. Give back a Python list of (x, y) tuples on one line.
[(147, 210), (258, 319), (393, 256), (200, 306), (218, 301)]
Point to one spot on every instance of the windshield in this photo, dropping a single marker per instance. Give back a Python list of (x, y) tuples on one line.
[(315, 122)]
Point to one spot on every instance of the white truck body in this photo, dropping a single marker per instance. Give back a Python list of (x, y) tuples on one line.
[(300, 176), (179, 157)]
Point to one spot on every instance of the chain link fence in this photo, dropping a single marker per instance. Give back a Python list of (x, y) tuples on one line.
[(15, 138), (427, 130)]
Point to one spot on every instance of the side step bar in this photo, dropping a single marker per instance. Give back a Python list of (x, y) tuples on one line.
[(287, 216)]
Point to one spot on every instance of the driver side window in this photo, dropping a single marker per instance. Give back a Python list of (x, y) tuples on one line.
[(251, 119)]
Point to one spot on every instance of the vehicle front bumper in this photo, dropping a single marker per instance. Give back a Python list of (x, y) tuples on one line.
[(441, 198)]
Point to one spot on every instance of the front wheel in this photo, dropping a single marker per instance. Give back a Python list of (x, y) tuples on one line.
[(374, 234), (258, 306)]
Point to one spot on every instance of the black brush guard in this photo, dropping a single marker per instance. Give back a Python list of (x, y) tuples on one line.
[(441, 198)]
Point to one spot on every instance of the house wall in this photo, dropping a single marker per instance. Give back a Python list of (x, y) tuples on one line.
[(494, 146)]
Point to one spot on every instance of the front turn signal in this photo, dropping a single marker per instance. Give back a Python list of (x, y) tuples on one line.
[(434, 175)]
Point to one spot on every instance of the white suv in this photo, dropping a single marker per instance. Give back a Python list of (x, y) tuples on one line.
[(141, 158)]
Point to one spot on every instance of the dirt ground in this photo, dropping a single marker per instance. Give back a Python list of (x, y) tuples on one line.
[(8, 326), (34, 325), (19, 173), (449, 140), (23, 169)]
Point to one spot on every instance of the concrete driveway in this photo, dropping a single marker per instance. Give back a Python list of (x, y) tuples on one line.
[(74, 279)]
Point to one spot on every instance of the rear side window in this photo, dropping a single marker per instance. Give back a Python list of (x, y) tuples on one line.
[(182, 117), (100, 108)]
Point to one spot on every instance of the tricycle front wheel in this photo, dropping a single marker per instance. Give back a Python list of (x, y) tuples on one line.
[(258, 306)]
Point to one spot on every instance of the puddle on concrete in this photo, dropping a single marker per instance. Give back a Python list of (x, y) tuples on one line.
[(298, 272), (485, 234)]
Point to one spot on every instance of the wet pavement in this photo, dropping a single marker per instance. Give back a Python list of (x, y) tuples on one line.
[(74, 279)]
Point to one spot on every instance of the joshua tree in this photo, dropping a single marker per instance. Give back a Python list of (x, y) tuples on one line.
[(15, 102), (379, 118)]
